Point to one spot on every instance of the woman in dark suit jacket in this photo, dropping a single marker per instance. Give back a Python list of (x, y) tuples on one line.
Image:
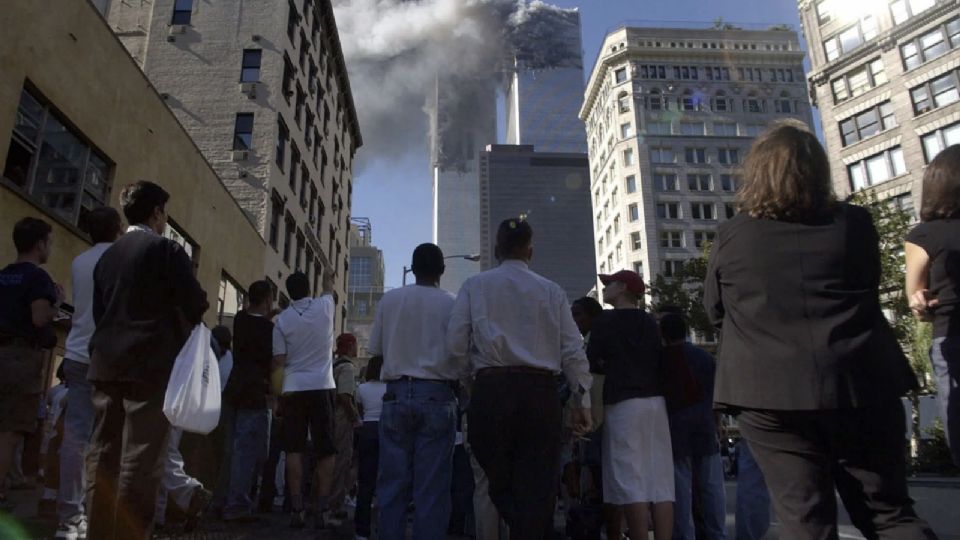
[(806, 356)]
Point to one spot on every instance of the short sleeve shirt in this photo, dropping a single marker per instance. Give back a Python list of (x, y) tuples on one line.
[(21, 284), (941, 240), (345, 374)]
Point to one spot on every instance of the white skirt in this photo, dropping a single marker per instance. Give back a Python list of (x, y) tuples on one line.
[(637, 455)]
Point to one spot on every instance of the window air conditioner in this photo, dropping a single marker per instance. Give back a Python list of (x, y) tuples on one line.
[(249, 88), (239, 155)]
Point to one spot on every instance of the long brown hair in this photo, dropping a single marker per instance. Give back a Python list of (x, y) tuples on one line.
[(941, 186), (786, 175)]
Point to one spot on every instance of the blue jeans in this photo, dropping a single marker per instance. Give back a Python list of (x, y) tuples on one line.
[(945, 357), (703, 475), (251, 436), (77, 426), (418, 428), (753, 499)]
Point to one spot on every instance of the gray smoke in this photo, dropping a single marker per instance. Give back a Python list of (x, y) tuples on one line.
[(396, 49)]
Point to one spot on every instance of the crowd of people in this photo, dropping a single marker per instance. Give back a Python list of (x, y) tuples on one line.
[(535, 403)]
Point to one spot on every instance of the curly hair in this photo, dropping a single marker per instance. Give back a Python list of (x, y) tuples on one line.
[(941, 186)]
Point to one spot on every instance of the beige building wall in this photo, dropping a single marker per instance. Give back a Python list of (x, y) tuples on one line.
[(67, 54), (867, 68), (656, 94)]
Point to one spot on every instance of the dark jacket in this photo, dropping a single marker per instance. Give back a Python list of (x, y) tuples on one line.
[(145, 301), (799, 312), (625, 347), (252, 353)]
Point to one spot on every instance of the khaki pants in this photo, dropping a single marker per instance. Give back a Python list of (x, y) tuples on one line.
[(343, 477)]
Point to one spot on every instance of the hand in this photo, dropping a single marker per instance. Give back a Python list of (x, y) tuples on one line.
[(275, 404), (581, 422), (61, 295), (922, 302), (327, 281)]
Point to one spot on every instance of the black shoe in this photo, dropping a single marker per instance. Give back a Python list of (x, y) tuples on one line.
[(198, 505), (298, 519)]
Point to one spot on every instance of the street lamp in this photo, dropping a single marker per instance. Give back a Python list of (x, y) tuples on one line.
[(474, 257)]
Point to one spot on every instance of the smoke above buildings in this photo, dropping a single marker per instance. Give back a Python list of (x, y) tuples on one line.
[(396, 49)]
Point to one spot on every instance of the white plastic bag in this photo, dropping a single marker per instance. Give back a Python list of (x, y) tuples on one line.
[(192, 402)]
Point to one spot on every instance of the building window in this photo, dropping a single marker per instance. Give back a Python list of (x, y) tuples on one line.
[(288, 77), (728, 156), (283, 133), (671, 239), (868, 123), (304, 180), (230, 299), (304, 49), (301, 101), (631, 184), (182, 12), (672, 268), (628, 157), (288, 239), (858, 81), (689, 102), (620, 75), (662, 155), (634, 212), (243, 132), (658, 128), (783, 105), (638, 268), (653, 72), (695, 155), (53, 164), (851, 38), (616, 224), (721, 103), (824, 15), (626, 130), (276, 209), (704, 211), (666, 182), (699, 182), (635, 241), (935, 93), (876, 169), (902, 10), (935, 142), (619, 251), (298, 262), (692, 128), (294, 161), (703, 237), (754, 104), (655, 100), (724, 129), (614, 196), (933, 44), (669, 210), (623, 102), (730, 209), (729, 182), (292, 19), (250, 68)]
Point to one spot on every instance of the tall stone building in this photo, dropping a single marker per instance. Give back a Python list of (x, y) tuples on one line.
[(262, 88), (670, 115), (365, 288), (885, 79)]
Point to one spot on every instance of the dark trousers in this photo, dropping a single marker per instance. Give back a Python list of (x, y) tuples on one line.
[(369, 444), (268, 482), (805, 455), (514, 433), (124, 462)]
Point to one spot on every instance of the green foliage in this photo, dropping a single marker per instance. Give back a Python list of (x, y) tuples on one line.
[(934, 456), (685, 290)]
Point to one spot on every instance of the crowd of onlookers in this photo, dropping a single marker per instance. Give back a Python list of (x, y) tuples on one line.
[(484, 412)]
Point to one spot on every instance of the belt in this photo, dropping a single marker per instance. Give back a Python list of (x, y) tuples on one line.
[(515, 370), (405, 378)]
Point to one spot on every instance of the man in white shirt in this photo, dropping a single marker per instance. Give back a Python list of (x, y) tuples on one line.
[(518, 329), (302, 374), (104, 226), (418, 422)]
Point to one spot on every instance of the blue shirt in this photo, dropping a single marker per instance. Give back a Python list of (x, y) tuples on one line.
[(693, 429)]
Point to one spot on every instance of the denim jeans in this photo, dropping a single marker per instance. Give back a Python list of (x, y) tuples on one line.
[(753, 499), (251, 437), (175, 483), (77, 426), (417, 432), (703, 475), (945, 357)]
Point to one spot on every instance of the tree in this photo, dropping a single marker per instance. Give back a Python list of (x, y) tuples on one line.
[(685, 291)]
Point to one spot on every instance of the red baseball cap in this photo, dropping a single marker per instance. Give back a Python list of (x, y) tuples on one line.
[(631, 279)]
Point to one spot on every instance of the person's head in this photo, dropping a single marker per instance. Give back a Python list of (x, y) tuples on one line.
[(673, 326), (298, 286), (260, 296), (103, 224), (145, 203), (584, 310), (786, 175), (373, 368), (222, 335), (941, 186), (346, 345), (32, 237), (514, 240), (624, 287), (428, 263)]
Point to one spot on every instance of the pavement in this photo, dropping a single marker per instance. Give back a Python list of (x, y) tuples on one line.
[(937, 501)]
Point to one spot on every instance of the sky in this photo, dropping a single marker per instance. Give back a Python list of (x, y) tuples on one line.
[(396, 195)]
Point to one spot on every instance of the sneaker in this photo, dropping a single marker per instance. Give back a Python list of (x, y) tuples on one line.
[(198, 505), (298, 519), (74, 529), (47, 508)]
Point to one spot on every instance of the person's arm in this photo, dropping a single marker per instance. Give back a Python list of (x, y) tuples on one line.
[(573, 362), (327, 281), (279, 361), (460, 325), (189, 295), (917, 282), (45, 298), (712, 299)]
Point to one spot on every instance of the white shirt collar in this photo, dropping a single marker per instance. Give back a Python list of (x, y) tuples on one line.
[(515, 263), (141, 228)]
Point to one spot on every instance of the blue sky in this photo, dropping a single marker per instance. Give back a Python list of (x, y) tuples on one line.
[(397, 197)]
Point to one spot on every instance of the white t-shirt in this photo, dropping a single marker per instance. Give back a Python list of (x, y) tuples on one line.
[(370, 396), (304, 332), (78, 341)]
